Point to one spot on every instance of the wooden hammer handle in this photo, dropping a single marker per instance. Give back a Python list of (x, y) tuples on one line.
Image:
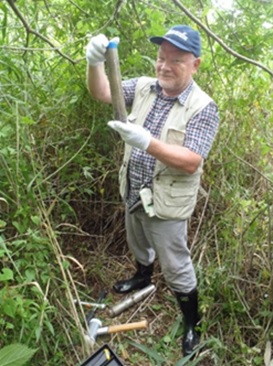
[(118, 102), (125, 327)]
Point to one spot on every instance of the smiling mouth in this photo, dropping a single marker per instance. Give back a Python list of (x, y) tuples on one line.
[(164, 76)]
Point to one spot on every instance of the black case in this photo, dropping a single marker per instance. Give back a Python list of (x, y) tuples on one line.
[(103, 357)]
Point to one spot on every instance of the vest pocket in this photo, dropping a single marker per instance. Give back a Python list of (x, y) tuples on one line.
[(175, 198), (179, 195), (175, 137)]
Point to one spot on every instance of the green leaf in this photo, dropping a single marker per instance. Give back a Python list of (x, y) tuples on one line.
[(9, 307), (149, 352), (38, 332), (19, 227), (167, 339), (6, 275), (15, 355), (26, 120), (66, 264), (3, 224), (2, 253), (30, 274), (36, 220)]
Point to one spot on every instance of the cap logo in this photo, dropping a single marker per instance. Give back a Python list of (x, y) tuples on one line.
[(178, 34)]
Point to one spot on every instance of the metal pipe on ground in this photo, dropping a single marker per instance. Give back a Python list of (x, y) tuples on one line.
[(132, 300)]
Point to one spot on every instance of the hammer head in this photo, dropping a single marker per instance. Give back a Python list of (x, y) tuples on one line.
[(94, 325)]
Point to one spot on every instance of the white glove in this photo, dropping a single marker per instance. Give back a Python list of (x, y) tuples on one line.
[(132, 134), (96, 48)]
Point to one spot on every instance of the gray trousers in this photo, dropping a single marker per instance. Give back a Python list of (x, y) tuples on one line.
[(167, 239)]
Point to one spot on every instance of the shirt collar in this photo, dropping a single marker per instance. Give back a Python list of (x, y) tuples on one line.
[(182, 97)]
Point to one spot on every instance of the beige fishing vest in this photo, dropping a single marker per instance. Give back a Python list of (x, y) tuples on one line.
[(174, 191)]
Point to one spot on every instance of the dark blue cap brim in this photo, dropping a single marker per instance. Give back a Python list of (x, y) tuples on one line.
[(159, 40)]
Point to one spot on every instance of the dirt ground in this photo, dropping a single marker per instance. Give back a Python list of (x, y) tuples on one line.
[(100, 247)]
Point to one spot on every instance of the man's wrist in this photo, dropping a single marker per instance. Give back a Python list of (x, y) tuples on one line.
[(95, 64)]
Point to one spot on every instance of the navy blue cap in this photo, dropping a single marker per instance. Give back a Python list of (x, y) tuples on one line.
[(183, 37)]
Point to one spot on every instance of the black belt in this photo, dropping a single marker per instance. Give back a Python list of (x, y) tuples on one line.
[(136, 207)]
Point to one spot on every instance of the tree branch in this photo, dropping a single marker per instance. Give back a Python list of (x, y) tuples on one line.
[(29, 30), (218, 40), (250, 165)]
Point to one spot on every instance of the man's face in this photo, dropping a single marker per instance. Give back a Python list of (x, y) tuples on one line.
[(174, 68)]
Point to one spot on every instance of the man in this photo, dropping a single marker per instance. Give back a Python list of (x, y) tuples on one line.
[(167, 136)]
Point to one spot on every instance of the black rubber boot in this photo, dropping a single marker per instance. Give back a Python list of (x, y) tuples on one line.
[(141, 279), (188, 304)]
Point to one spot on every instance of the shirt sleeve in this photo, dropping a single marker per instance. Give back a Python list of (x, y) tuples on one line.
[(129, 88), (201, 130)]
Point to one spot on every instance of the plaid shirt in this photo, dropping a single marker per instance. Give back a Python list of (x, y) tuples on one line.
[(200, 132)]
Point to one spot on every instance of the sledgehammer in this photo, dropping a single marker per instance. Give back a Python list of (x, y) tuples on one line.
[(95, 328)]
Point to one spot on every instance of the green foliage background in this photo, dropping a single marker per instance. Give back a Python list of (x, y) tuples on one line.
[(57, 154)]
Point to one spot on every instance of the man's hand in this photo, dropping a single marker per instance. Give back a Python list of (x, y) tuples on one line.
[(96, 49), (134, 135)]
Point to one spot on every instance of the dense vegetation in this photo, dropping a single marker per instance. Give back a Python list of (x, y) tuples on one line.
[(61, 225)]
